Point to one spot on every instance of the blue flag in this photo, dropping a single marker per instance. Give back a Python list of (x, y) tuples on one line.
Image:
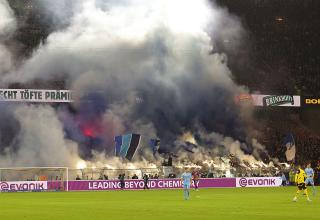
[(118, 141), (126, 145), (289, 143), (154, 145)]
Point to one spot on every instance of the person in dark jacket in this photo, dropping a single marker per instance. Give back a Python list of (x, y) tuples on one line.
[(145, 180), (121, 178)]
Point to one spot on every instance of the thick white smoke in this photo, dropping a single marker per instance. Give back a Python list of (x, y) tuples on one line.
[(129, 50), (41, 140), (7, 26), (220, 146), (5, 60), (131, 40), (7, 20)]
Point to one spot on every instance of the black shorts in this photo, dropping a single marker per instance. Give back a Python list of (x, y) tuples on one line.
[(302, 186)]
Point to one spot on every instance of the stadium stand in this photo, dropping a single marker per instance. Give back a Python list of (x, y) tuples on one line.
[(283, 59)]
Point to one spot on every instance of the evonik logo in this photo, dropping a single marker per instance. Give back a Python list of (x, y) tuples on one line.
[(23, 186), (4, 186), (244, 182)]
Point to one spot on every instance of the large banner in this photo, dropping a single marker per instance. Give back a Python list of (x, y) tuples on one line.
[(83, 185), (95, 185), (269, 100), (23, 186), (258, 182), (35, 95), (276, 100)]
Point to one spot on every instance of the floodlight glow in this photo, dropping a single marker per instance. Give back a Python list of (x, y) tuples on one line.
[(186, 16)]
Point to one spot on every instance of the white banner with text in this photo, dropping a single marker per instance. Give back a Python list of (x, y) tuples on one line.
[(35, 95)]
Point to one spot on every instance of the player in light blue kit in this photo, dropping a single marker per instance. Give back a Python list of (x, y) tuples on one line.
[(310, 175), (186, 179)]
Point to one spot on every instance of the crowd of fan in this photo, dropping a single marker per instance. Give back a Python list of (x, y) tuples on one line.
[(283, 42), (307, 141)]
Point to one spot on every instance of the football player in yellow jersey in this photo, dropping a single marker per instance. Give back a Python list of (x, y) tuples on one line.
[(300, 179)]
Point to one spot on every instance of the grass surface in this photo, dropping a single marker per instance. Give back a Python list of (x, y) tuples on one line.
[(240, 203)]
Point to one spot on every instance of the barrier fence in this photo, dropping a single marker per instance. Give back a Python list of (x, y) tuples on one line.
[(95, 185)]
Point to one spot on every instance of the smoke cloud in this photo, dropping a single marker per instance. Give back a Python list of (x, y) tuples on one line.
[(41, 140), (146, 67), (7, 20), (7, 27)]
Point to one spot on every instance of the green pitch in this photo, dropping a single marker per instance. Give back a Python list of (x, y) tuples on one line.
[(241, 203)]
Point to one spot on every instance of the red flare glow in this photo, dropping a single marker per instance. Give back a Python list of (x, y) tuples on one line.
[(89, 132)]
